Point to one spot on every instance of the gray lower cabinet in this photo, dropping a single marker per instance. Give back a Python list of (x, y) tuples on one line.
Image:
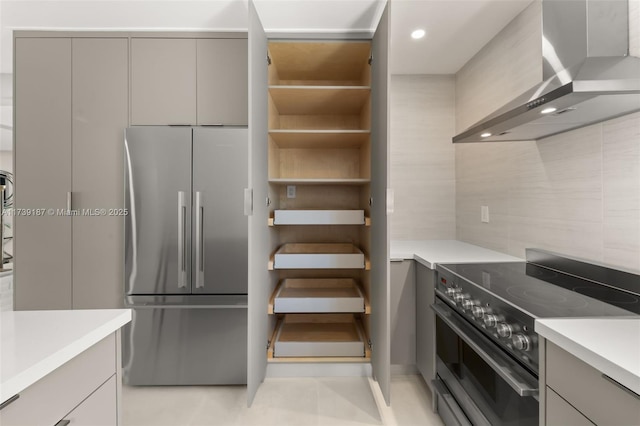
[(71, 97), (561, 413), (586, 391), (425, 323), (189, 81), (84, 390), (98, 408), (403, 313)]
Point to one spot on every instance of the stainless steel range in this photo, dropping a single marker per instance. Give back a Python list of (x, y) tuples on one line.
[(486, 347)]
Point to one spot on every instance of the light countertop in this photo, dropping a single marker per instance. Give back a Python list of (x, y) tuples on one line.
[(34, 343), (431, 252), (610, 345)]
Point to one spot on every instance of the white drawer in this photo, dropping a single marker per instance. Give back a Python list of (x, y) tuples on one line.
[(48, 400), (99, 409)]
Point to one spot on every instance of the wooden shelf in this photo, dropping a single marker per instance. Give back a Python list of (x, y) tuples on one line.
[(321, 181), (336, 62), (319, 217), (317, 336), (319, 100), (318, 295), (315, 139), (318, 256)]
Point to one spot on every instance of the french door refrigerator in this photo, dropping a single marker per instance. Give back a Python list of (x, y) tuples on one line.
[(185, 255)]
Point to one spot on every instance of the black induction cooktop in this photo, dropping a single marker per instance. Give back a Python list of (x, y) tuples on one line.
[(544, 292)]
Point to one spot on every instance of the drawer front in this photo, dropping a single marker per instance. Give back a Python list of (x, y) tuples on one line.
[(584, 387), (48, 400), (99, 409), (561, 413)]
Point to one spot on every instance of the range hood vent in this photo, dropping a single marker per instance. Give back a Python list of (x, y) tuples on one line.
[(588, 75)]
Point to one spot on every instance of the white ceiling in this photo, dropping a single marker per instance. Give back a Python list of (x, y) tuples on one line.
[(456, 29)]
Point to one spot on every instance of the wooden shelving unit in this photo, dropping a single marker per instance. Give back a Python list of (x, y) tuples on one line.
[(320, 139), (337, 336), (318, 295), (319, 217), (318, 256)]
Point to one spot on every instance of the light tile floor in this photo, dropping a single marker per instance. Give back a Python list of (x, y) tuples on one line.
[(344, 401)]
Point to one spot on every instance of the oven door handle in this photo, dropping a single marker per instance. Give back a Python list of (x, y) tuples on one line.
[(517, 377)]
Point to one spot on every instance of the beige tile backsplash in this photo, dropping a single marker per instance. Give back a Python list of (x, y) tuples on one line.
[(576, 193), (423, 157)]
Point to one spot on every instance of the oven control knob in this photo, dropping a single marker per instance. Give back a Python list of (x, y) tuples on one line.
[(479, 311), (459, 297), (491, 320), (521, 342), (504, 330), (468, 304), (452, 291)]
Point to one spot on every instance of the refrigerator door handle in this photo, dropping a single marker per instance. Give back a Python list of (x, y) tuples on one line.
[(182, 230), (199, 240)]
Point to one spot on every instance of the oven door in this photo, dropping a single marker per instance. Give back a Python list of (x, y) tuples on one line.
[(489, 386)]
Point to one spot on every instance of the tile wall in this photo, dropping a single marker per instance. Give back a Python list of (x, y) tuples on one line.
[(576, 193), (422, 157)]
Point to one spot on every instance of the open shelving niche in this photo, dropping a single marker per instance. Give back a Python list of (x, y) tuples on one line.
[(319, 140)]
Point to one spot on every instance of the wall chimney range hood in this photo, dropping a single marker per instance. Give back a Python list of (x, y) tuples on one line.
[(588, 75)]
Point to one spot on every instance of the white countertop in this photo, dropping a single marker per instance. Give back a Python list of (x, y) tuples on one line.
[(431, 252), (34, 343), (610, 345)]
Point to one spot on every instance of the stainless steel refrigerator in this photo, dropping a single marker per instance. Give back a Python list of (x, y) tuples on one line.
[(185, 255)]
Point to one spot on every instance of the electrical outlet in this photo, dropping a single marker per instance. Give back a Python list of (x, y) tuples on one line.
[(484, 214), (291, 191)]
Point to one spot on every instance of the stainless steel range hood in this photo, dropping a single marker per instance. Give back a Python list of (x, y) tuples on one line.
[(588, 75)]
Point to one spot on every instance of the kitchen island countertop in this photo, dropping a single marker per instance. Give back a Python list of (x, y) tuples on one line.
[(610, 345), (35, 343), (431, 252)]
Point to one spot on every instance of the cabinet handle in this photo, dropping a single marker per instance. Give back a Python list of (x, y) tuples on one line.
[(199, 240), (69, 201), (9, 401), (63, 423), (182, 230), (621, 386)]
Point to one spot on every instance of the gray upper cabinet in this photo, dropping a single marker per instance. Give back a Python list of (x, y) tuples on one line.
[(71, 109), (189, 81), (43, 172), (163, 81), (222, 81)]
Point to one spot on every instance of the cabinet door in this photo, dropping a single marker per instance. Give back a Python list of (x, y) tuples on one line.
[(43, 172), (380, 323), (163, 81), (260, 282), (100, 115), (222, 81), (403, 313), (425, 323), (99, 409)]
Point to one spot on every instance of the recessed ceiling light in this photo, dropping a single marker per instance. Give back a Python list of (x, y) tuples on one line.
[(548, 110), (418, 34), (485, 135)]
